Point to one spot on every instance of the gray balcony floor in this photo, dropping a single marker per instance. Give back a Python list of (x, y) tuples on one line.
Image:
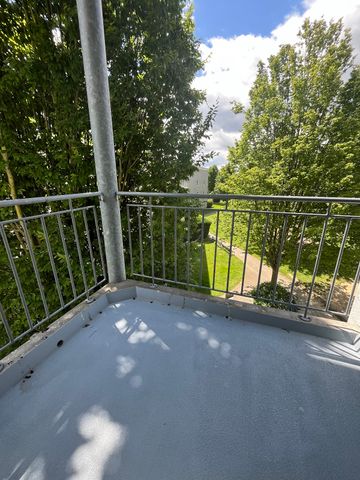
[(149, 391)]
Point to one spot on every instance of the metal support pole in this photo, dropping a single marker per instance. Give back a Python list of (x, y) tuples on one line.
[(97, 87)]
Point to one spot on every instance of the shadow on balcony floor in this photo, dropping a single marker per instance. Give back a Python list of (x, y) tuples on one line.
[(149, 391)]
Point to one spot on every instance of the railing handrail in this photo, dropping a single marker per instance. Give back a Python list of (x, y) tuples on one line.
[(86, 251), (47, 199), (220, 196), (230, 196)]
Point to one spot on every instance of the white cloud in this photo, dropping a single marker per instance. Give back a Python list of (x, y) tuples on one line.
[(231, 64)]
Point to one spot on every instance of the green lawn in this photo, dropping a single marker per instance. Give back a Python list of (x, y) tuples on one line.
[(304, 277), (222, 260), (221, 232)]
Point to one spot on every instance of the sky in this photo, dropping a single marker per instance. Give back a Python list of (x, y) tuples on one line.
[(235, 35), (233, 17)]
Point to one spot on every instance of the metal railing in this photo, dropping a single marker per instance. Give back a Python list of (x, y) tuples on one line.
[(49, 260), (53, 255), (295, 232)]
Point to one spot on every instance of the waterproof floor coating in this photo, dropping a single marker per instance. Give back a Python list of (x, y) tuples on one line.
[(155, 392)]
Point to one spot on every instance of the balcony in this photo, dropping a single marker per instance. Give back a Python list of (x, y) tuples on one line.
[(229, 353), (146, 380)]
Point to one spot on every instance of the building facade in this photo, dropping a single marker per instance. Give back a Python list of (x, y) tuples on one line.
[(198, 182)]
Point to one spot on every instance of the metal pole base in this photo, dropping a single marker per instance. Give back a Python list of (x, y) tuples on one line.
[(305, 318)]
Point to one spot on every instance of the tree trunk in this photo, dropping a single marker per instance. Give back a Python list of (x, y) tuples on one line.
[(11, 180), (275, 274), (18, 228)]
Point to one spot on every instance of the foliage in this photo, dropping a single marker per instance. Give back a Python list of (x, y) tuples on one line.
[(298, 139), (44, 127), (45, 140), (44, 119), (22, 247), (213, 173), (203, 226), (153, 235), (222, 179), (266, 291), (158, 126), (290, 138)]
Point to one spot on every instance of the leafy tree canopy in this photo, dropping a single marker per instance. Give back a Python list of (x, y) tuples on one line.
[(44, 127), (298, 138), (213, 173), (45, 138)]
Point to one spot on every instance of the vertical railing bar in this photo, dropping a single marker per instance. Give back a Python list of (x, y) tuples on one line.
[(52, 261), (216, 246), (298, 258), (151, 242), (337, 266), (262, 252), (201, 249), (246, 253), (91, 253), (163, 242), (278, 261), (140, 241), (230, 251), (352, 294), (78, 248), (317, 261), (98, 236), (188, 250), (16, 275), (6, 324), (35, 267), (175, 244), (67, 256), (130, 240)]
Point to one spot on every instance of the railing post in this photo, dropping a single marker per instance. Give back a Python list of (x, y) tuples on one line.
[(97, 87)]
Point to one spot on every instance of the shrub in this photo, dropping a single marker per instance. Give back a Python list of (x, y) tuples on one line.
[(207, 224), (266, 292), (197, 233)]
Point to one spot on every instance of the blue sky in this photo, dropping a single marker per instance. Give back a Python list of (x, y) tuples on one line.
[(227, 18)]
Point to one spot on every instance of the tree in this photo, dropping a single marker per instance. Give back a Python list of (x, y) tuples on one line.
[(296, 139), (157, 123), (213, 173), (222, 179), (44, 120), (45, 139)]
